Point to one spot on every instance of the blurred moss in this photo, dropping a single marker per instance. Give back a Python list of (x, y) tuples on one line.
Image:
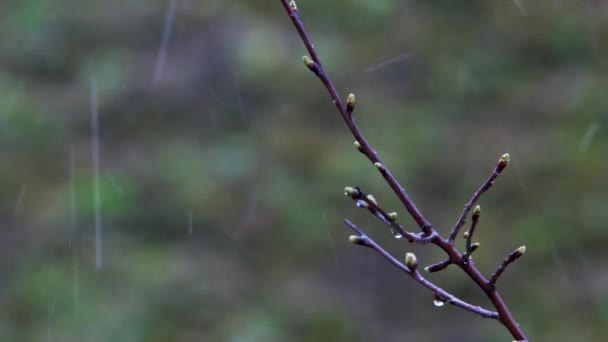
[(117, 194), (221, 185)]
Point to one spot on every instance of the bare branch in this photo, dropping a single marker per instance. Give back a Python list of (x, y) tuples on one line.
[(501, 165), (317, 67), (429, 234), (369, 202), (439, 293), (516, 254)]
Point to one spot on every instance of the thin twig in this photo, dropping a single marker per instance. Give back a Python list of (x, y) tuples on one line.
[(390, 219), (502, 163), (439, 293), (471, 247), (516, 254), (438, 266), (474, 221), (349, 119)]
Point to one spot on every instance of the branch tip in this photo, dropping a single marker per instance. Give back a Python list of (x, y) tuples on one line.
[(350, 191), (438, 266), (293, 6), (357, 240), (516, 254), (503, 162), (476, 213)]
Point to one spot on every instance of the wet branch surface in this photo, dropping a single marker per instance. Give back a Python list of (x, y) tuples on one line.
[(428, 232)]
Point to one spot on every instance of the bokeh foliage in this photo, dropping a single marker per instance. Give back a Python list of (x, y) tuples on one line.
[(222, 168)]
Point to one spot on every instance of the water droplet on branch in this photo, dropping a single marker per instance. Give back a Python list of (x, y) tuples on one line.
[(438, 303), (396, 234)]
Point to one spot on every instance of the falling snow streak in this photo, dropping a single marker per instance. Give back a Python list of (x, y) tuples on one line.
[(50, 312), (19, 201), (190, 222), (96, 184), (216, 97), (388, 62), (331, 241), (161, 58), (583, 146), (72, 233), (520, 176), (237, 89), (520, 6)]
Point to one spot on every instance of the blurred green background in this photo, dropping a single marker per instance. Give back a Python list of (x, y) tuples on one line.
[(223, 163)]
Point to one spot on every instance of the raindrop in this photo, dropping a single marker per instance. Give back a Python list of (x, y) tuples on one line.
[(96, 176), (588, 137), (20, 198), (388, 62), (438, 303), (161, 58), (396, 234)]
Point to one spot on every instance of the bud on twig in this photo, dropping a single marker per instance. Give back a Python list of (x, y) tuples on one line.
[(503, 162), (516, 254), (474, 246), (350, 191), (350, 103), (357, 240), (476, 213), (372, 199), (410, 261), (358, 146), (310, 64), (380, 167), (438, 266), (392, 216), (293, 5)]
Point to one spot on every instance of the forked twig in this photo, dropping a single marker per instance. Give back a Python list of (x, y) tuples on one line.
[(410, 268), (428, 234)]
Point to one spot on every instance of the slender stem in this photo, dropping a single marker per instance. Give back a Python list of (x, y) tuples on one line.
[(440, 294), (470, 248), (516, 254), (467, 208), (375, 209), (366, 148), (438, 266), (447, 245)]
